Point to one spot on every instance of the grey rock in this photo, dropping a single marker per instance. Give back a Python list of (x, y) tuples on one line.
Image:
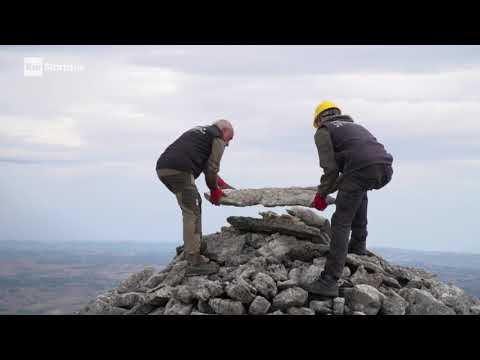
[(175, 307), (298, 231), (269, 197), (391, 282), (158, 311), (475, 310), (182, 293), (279, 247), (321, 307), (421, 302), (358, 313), (159, 297), (176, 274), (259, 306), (364, 298), (256, 240), (310, 275), (265, 285), (99, 307), (453, 297), (278, 272), (393, 304), (338, 306), (128, 300), (300, 311), (361, 276), (295, 275), (292, 297), (204, 307), (226, 307), (222, 247), (415, 284), (309, 217), (241, 290), (134, 281), (198, 313), (346, 272), (282, 285), (368, 262), (204, 289), (141, 309), (155, 280), (278, 312)]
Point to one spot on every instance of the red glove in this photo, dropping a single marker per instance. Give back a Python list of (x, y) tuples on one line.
[(319, 202), (215, 196), (222, 184)]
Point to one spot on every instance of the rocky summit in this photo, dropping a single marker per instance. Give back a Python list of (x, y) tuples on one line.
[(265, 265)]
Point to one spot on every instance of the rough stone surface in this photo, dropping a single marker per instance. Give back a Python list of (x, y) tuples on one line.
[(175, 307), (134, 281), (321, 307), (242, 291), (300, 311), (259, 306), (270, 197), (364, 298), (265, 285), (338, 306), (226, 307), (128, 300), (300, 231), (393, 304), (292, 297), (265, 271), (421, 302), (361, 276)]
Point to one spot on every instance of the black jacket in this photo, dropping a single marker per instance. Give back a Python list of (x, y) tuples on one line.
[(191, 151), (344, 146)]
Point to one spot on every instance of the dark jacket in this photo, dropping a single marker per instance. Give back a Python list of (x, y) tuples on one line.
[(192, 151), (343, 147)]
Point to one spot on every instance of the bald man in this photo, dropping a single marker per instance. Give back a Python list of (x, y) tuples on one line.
[(198, 150)]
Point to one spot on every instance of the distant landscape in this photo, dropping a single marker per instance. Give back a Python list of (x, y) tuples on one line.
[(38, 278)]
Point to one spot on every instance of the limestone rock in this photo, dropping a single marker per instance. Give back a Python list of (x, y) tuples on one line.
[(321, 307), (242, 291), (226, 307), (361, 276), (393, 304), (291, 297), (338, 306), (299, 231), (300, 311), (134, 281), (364, 298), (175, 307), (421, 302), (128, 300), (259, 306), (265, 285), (159, 297)]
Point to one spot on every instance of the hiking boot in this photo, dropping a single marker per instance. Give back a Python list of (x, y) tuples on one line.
[(200, 265), (324, 286), (358, 249)]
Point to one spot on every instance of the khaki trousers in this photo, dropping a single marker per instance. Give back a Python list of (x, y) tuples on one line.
[(182, 184)]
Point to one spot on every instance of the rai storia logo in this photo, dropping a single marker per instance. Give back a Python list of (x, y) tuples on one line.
[(33, 66), (36, 66)]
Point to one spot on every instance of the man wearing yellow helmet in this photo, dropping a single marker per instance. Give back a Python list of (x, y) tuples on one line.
[(353, 162)]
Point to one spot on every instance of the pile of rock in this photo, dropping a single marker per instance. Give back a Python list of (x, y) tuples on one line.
[(266, 264)]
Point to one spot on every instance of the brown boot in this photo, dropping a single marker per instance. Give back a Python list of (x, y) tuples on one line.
[(200, 265)]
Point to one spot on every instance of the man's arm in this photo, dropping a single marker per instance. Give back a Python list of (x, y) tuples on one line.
[(213, 164), (328, 163)]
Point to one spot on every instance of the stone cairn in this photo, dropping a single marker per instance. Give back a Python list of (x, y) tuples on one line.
[(265, 265)]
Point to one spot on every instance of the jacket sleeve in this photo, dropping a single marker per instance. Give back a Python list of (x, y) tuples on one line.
[(213, 163), (326, 154)]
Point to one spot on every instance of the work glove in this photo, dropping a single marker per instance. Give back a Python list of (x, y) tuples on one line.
[(319, 202), (215, 196), (222, 184)]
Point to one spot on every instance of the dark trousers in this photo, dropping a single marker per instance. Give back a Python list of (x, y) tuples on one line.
[(351, 213)]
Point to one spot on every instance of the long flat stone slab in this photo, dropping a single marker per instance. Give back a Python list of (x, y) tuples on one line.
[(270, 197)]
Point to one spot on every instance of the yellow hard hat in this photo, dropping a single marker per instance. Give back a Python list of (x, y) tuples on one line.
[(322, 107)]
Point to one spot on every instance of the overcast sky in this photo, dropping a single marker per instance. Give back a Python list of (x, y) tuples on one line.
[(78, 149)]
